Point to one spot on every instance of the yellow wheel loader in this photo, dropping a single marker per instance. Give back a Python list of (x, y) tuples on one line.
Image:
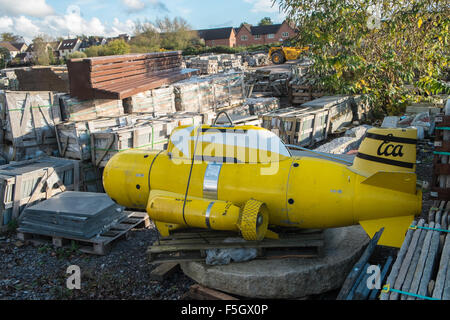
[(280, 55)]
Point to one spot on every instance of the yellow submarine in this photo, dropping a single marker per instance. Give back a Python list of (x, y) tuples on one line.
[(244, 178)]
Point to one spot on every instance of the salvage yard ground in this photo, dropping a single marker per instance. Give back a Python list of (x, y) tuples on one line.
[(30, 272)]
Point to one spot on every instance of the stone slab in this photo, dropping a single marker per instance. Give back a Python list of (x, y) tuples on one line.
[(287, 278)]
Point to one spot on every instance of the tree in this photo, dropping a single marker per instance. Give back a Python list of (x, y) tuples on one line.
[(266, 21), (375, 48), (41, 51), (146, 39), (115, 47), (77, 55), (175, 34), (5, 56), (9, 37)]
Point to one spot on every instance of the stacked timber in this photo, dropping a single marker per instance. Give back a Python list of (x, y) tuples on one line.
[(156, 102), (28, 123), (43, 78), (421, 269), (73, 109), (27, 182)]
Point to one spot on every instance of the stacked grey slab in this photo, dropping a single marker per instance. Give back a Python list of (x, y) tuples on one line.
[(73, 215), (342, 109)]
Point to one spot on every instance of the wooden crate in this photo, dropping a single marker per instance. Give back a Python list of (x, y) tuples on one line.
[(98, 245), (441, 166), (27, 182), (90, 177), (299, 94), (28, 120), (299, 127), (73, 109), (191, 245), (74, 137), (146, 135), (156, 101)]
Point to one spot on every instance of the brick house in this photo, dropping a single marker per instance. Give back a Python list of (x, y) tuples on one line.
[(248, 35), (218, 37)]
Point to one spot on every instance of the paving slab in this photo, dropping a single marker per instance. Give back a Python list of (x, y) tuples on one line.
[(286, 278)]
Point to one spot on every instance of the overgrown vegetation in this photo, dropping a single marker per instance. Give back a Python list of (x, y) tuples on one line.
[(377, 48), (118, 46)]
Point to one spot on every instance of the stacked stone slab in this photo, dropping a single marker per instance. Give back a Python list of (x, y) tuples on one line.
[(156, 102), (72, 214), (201, 94)]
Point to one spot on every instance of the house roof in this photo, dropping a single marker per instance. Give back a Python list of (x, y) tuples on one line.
[(19, 45), (272, 28), (22, 55), (8, 46), (68, 44), (215, 34)]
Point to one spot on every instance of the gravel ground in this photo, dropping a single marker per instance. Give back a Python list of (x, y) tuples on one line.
[(29, 272)]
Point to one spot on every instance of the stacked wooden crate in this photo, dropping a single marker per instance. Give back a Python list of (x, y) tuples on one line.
[(206, 93), (26, 182), (301, 93), (342, 109), (156, 101), (266, 82), (300, 127), (74, 137), (73, 109), (144, 133), (28, 123), (205, 66), (440, 183)]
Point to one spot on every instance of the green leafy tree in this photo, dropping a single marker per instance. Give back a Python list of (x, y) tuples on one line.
[(266, 21), (5, 56), (115, 47), (175, 33), (41, 51), (77, 55), (375, 48), (93, 51), (9, 37), (146, 39)]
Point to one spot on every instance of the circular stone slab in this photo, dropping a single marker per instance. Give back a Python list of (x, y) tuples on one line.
[(286, 278)]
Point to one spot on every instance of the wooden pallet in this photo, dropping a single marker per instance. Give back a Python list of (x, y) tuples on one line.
[(199, 292), (100, 245), (191, 245)]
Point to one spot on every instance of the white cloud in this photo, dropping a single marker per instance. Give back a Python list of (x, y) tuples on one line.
[(33, 8), (67, 25), (5, 23), (263, 6), (134, 5)]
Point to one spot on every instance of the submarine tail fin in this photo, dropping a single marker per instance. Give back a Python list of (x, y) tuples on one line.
[(387, 150), (397, 181), (395, 229)]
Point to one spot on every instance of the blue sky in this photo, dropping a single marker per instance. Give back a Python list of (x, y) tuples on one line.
[(30, 18)]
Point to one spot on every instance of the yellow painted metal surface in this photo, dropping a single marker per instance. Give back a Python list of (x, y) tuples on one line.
[(303, 192)]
